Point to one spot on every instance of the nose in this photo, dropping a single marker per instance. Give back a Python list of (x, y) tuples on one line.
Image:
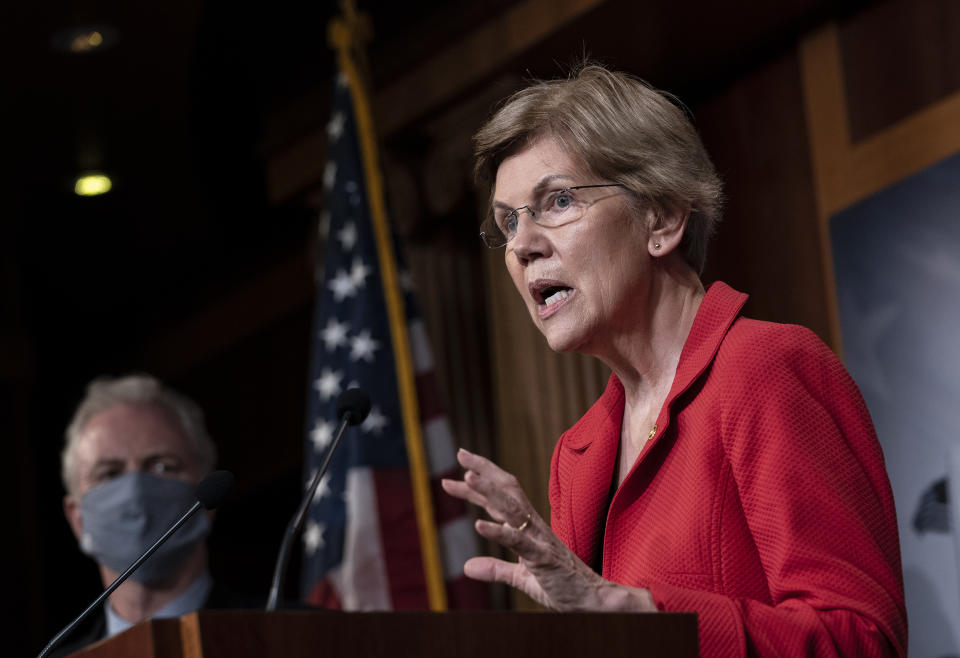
[(530, 241)]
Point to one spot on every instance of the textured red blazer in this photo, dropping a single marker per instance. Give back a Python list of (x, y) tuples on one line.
[(761, 503)]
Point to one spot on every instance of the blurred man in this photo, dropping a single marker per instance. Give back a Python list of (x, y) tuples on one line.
[(134, 452)]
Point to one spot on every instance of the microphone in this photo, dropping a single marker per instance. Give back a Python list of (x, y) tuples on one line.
[(210, 493), (353, 405)]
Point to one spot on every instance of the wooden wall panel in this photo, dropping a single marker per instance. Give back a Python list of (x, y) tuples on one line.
[(898, 57), (767, 245), (846, 171)]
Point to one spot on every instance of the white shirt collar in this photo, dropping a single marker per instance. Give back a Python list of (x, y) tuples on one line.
[(190, 599)]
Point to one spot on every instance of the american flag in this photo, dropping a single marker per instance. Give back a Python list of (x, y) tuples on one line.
[(361, 542)]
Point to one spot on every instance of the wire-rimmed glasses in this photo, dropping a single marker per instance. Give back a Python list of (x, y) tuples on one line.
[(553, 208)]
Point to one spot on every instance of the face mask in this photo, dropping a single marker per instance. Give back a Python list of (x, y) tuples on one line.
[(125, 516)]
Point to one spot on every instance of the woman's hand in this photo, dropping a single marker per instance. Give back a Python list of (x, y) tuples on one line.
[(547, 571)]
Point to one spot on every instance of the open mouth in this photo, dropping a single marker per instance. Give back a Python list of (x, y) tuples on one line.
[(547, 293), (554, 294)]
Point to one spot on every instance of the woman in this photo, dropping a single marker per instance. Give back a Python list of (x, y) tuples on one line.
[(730, 468)]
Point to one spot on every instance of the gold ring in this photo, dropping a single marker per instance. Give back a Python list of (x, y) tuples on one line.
[(524, 524)]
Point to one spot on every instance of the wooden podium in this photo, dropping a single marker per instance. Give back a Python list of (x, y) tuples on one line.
[(240, 634)]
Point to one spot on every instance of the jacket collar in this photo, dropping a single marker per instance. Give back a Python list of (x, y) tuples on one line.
[(720, 307), (595, 438)]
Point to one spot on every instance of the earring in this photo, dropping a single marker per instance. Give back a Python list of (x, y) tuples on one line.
[(656, 245)]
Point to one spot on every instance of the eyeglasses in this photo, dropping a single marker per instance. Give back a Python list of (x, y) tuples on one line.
[(552, 209)]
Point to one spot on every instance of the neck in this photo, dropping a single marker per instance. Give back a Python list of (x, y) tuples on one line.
[(136, 601), (645, 356), (645, 352)]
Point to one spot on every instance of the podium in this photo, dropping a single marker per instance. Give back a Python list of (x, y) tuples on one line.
[(302, 634)]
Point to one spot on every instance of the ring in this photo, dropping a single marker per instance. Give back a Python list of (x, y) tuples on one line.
[(524, 524)]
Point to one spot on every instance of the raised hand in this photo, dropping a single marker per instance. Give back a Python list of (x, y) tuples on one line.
[(547, 571)]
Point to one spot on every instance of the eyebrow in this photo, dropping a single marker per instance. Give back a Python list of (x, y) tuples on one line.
[(544, 182), (153, 456), (108, 461)]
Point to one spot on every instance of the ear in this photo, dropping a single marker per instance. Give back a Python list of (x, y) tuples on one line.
[(71, 509), (667, 232)]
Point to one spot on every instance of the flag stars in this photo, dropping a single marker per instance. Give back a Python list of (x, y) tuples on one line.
[(353, 192), (323, 488), (328, 384), (329, 175), (347, 236), (362, 346), (334, 335), (321, 434), (313, 537), (343, 286), (335, 126), (375, 421), (359, 272)]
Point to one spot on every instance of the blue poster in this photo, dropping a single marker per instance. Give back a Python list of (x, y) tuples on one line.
[(897, 263)]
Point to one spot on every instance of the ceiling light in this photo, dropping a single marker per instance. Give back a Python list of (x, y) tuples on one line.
[(84, 39), (92, 184)]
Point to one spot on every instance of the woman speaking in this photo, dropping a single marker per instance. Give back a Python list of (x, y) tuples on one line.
[(730, 468)]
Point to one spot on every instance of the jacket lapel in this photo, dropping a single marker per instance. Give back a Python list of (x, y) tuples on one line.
[(719, 309), (593, 442), (592, 445)]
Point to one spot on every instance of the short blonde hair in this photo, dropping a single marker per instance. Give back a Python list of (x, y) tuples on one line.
[(624, 131), (106, 392)]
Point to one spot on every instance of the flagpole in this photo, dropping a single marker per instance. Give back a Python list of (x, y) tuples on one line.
[(342, 34)]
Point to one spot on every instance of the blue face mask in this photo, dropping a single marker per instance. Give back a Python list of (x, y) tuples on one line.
[(125, 516)]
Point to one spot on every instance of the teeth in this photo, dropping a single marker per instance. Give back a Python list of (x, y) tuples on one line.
[(556, 297)]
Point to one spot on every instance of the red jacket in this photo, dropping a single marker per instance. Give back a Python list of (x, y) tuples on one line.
[(761, 503)]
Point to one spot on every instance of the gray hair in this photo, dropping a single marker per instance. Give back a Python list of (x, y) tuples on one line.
[(624, 131), (106, 392)]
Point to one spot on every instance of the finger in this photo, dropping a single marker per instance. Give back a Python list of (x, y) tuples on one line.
[(491, 476), (492, 570), (487, 470), (510, 502), (460, 489), (521, 542), (477, 463), (464, 490)]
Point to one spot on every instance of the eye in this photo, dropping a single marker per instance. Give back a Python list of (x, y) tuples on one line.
[(164, 466), (563, 200), (507, 222), (106, 473), (510, 225)]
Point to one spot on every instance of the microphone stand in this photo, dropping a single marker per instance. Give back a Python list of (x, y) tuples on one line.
[(120, 579), (296, 523)]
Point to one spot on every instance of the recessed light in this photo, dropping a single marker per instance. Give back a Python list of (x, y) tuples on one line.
[(92, 184), (84, 39)]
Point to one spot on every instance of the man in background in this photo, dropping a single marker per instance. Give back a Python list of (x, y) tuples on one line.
[(135, 451)]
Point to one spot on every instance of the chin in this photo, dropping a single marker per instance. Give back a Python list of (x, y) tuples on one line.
[(563, 334), (563, 340)]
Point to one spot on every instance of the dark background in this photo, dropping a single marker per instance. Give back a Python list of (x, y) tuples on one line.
[(198, 266)]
